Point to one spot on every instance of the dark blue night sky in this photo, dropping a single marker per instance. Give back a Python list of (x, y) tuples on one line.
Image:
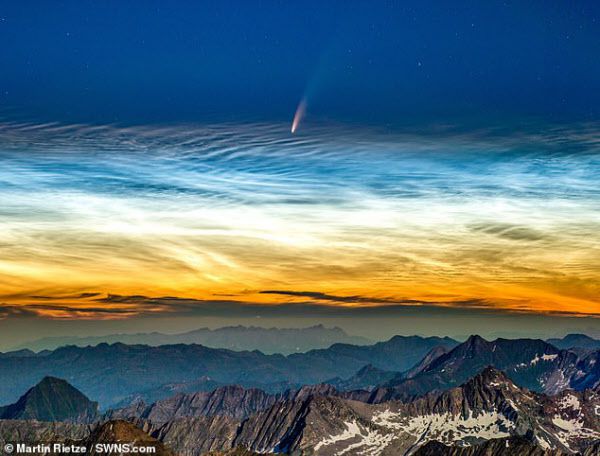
[(375, 62)]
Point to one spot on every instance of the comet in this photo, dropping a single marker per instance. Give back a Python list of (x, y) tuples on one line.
[(300, 111)]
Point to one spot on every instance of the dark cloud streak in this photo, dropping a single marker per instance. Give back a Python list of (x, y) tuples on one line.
[(509, 231)]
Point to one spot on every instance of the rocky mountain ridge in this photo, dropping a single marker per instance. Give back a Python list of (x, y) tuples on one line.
[(530, 363), (487, 406), (315, 421)]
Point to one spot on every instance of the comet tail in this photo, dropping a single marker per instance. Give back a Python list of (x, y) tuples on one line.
[(300, 111)]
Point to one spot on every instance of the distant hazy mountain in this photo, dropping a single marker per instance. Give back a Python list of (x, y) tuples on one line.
[(576, 341), (112, 373), (397, 354), (18, 353), (52, 399), (202, 384), (118, 373), (238, 338), (531, 363)]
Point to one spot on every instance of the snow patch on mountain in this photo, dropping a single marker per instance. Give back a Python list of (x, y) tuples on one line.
[(448, 428), (572, 429), (352, 430), (570, 401), (544, 357), (370, 442), (543, 442), (389, 419)]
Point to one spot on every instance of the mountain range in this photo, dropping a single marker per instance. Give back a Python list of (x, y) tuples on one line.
[(488, 415), (405, 396), (487, 406), (401, 368), (113, 373), (267, 340)]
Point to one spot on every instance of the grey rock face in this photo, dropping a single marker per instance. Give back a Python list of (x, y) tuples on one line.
[(489, 406)]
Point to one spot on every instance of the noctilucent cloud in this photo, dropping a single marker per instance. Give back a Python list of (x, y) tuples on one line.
[(194, 211)]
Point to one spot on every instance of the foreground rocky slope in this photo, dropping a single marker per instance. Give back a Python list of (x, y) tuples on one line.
[(489, 406), (121, 432), (34, 432), (110, 437)]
